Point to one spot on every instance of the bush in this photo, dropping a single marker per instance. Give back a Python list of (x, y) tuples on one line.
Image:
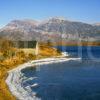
[(31, 56), (2, 58), (20, 54)]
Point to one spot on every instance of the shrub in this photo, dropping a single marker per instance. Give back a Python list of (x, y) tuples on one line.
[(20, 54), (31, 56)]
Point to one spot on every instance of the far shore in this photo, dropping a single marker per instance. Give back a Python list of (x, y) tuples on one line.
[(77, 43)]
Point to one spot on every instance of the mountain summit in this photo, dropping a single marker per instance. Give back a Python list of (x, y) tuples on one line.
[(53, 29)]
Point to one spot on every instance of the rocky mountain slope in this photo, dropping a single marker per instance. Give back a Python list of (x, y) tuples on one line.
[(53, 29)]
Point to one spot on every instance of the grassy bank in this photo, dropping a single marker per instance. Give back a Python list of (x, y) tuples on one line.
[(22, 56), (4, 67)]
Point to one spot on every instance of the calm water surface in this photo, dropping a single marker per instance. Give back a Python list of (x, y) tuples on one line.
[(72, 80)]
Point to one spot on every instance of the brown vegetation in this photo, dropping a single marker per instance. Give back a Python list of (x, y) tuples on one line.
[(77, 43), (11, 57)]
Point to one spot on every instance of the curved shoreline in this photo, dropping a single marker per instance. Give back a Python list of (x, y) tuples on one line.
[(15, 78)]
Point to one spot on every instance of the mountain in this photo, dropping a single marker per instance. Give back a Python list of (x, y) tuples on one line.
[(53, 29), (97, 24)]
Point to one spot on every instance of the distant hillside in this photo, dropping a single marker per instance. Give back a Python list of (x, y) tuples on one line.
[(97, 24), (53, 29)]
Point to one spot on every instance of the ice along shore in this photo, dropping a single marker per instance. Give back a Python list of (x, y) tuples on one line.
[(15, 77)]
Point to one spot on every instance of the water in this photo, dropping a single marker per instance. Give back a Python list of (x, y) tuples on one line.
[(90, 52), (73, 80)]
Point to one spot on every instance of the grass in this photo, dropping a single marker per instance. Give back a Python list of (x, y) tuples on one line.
[(22, 56), (5, 66), (27, 50)]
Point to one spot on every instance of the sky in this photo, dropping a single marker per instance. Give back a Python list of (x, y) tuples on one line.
[(87, 11)]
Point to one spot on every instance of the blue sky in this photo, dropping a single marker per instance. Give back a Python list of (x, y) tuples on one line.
[(79, 10)]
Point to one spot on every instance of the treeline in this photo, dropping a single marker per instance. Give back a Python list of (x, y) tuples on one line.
[(24, 44), (11, 50), (4, 42)]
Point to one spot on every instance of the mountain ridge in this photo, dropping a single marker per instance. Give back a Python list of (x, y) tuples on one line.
[(53, 29)]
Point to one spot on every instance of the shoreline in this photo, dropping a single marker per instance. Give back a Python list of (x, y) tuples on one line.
[(14, 61), (15, 77)]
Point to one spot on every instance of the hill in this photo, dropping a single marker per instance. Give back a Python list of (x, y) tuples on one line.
[(53, 29)]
